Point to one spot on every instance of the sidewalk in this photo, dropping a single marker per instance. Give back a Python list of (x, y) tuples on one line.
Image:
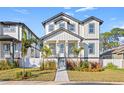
[(61, 75)]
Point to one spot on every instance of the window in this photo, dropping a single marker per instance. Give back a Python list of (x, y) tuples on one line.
[(70, 48), (61, 25), (51, 27), (91, 28), (91, 48), (6, 47), (71, 27), (62, 47), (53, 48), (15, 47)]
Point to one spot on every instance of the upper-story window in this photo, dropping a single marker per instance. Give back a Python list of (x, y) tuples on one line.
[(61, 25), (91, 48), (8, 28), (91, 28), (51, 27), (71, 27)]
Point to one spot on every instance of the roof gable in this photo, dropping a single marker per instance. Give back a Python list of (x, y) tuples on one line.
[(61, 30), (61, 14)]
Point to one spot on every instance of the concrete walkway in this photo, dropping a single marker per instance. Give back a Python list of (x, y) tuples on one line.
[(61, 75)]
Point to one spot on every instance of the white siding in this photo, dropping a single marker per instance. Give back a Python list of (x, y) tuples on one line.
[(62, 36)]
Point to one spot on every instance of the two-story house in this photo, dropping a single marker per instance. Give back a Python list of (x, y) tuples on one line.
[(63, 31), (11, 34)]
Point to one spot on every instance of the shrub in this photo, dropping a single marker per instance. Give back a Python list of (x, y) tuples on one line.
[(4, 65), (111, 66), (50, 65), (71, 65), (8, 64), (23, 75), (84, 64)]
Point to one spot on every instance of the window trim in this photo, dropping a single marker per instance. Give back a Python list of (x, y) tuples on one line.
[(49, 30), (91, 28), (93, 48), (69, 27)]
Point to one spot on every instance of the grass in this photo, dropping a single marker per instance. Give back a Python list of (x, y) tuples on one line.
[(106, 75), (46, 75)]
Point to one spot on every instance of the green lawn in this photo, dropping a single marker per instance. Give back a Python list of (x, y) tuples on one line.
[(46, 75), (107, 75)]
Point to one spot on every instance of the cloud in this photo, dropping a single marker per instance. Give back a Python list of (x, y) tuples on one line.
[(122, 26), (85, 9), (113, 18), (86, 16), (67, 7), (71, 14), (22, 11)]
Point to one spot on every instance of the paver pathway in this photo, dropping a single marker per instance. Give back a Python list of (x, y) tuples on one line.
[(61, 75)]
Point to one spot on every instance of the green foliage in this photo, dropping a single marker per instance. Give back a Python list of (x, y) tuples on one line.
[(84, 64), (110, 39), (46, 51), (50, 65), (8, 64), (111, 66), (23, 75)]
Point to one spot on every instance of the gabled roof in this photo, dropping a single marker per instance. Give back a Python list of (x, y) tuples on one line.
[(7, 38), (70, 17), (61, 14), (61, 30), (114, 50), (92, 18)]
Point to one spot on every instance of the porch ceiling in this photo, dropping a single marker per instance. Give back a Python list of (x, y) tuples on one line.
[(7, 38)]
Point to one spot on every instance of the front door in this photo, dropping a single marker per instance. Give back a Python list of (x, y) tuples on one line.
[(61, 49), (61, 64)]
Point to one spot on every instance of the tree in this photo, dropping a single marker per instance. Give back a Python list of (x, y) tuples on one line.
[(46, 52), (111, 39), (76, 50), (26, 43)]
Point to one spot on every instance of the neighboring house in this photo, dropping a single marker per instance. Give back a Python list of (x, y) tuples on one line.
[(62, 31), (114, 55), (11, 34)]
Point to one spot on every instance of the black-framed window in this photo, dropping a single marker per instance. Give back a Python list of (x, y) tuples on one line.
[(51, 27), (91, 48), (61, 25), (91, 28), (71, 27), (6, 47)]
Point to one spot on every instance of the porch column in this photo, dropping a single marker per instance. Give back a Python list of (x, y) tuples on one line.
[(66, 48), (13, 51), (57, 48)]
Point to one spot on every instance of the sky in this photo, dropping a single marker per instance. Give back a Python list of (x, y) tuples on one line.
[(34, 16)]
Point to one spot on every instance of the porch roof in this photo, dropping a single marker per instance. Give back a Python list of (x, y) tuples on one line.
[(7, 38), (62, 30)]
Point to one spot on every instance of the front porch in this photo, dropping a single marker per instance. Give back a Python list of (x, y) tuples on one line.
[(64, 48), (9, 47)]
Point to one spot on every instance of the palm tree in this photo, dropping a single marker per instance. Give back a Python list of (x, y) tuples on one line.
[(46, 52), (77, 51), (26, 43)]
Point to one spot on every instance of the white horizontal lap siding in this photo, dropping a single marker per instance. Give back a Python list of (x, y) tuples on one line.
[(85, 29), (86, 52), (62, 36)]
